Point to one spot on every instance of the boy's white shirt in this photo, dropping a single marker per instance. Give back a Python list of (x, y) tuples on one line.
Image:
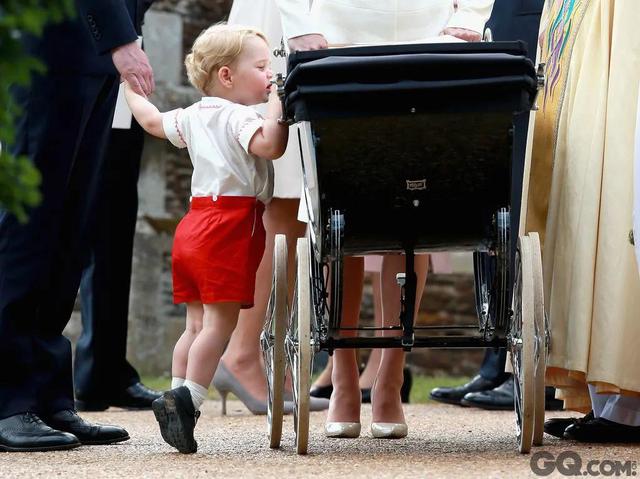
[(217, 133), (297, 18)]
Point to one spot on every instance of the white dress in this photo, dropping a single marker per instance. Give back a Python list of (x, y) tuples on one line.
[(381, 21), (264, 15)]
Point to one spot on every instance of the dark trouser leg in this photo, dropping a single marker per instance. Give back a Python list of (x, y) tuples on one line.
[(492, 367), (62, 130), (100, 363)]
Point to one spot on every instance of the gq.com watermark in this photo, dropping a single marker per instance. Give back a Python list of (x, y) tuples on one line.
[(570, 463)]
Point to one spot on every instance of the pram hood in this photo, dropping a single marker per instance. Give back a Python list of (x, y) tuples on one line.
[(409, 79)]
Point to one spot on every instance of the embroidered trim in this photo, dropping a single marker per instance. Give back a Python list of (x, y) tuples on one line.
[(246, 124), (175, 123)]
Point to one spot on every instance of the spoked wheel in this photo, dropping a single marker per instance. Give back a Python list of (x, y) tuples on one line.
[(540, 340), (521, 343), (272, 341), (298, 346)]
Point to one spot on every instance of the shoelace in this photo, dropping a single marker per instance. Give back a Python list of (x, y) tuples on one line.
[(32, 418)]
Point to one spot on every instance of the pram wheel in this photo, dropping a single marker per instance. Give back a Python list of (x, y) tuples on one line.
[(298, 346), (521, 343), (272, 341), (540, 344)]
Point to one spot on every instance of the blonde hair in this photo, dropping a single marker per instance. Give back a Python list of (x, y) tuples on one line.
[(217, 46)]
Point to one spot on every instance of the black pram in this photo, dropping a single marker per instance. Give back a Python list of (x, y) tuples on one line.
[(405, 149)]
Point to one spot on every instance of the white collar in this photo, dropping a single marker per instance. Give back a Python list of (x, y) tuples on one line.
[(214, 101)]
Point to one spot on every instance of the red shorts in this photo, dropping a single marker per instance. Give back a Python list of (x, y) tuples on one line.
[(217, 248)]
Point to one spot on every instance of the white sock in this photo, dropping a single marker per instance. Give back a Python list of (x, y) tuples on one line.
[(198, 393), (176, 382)]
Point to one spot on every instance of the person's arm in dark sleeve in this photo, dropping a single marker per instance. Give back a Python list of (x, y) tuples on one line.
[(109, 23)]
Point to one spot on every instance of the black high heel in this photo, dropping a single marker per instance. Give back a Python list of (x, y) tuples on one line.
[(407, 382), (321, 391)]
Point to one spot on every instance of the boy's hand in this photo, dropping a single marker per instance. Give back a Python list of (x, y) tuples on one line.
[(127, 89)]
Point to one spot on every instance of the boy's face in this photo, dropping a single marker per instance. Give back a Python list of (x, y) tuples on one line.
[(252, 72)]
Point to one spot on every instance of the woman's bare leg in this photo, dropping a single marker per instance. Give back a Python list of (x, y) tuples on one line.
[(368, 375), (325, 376), (243, 357), (345, 399), (386, 402)]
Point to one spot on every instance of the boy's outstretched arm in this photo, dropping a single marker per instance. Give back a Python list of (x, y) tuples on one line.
[(270, 141), (145, 113)]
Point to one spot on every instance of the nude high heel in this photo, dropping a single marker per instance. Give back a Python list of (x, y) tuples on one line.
[(387, 430), (349, 430)]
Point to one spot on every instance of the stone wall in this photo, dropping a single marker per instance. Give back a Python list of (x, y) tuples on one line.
[(154, 322)]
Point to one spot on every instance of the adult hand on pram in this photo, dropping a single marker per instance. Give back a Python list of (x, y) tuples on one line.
[(311, 41), (462, 34)]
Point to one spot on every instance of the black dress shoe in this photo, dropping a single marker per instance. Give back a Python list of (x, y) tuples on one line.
[(177, 418), (26, 432), (455, 395), (90, 434), (405, 390), (602, 430), (499, 398), (556, 426), (135, 397), (321, 391)]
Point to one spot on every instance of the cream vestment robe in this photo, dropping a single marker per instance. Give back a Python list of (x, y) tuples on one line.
[(581, 196)]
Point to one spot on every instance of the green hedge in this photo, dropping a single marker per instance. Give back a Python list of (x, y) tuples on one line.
[(19, 179)]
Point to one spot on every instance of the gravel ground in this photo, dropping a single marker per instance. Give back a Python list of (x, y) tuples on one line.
[(443, 441)]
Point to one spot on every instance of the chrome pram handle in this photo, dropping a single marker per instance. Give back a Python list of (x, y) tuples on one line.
[(541, 77), (279, 82), (282, 51)]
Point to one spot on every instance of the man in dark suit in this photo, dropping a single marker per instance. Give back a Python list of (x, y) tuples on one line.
[(102, 375), (492, 388), (63, 128)]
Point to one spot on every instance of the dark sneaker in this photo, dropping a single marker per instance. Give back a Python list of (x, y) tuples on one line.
[(177, 418)]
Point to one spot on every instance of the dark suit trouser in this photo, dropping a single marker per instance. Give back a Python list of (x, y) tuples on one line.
[(63, 129), (100, 365), (493, 365)]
